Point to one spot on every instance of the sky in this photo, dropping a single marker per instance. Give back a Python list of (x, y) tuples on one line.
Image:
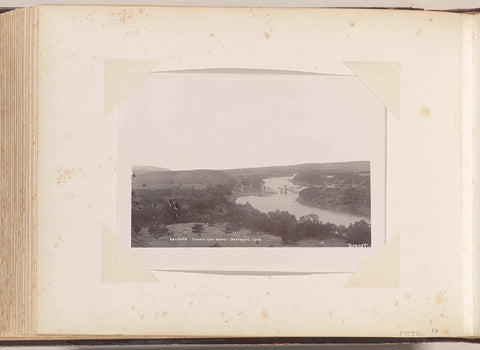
[(197, 120)]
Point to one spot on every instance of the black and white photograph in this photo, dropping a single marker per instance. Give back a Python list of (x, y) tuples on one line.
[(251, 159), (305, 205)]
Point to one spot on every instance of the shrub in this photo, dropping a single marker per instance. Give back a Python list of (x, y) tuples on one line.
[(198, 228), (359, 233)]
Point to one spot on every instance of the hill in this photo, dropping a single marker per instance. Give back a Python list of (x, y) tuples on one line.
[(319, 169), (185, 178), (147, 177), (142, 169)]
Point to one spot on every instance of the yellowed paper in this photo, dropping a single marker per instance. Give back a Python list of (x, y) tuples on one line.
[(121, 77), (118, 264), (423, 191), (382, 270), (383, 79)]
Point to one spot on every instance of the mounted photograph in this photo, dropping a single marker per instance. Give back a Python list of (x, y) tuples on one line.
[(252, 169), (305, 205)]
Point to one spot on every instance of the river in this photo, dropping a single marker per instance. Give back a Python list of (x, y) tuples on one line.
[(288, 202)]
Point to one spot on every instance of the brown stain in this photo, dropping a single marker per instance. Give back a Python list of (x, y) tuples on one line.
[(431, 19), (141, 317), (441, 298), (396, 303), (190, 303), (221, 313), (407, 295), (90, 206), (442, 314), (446, 331), (425, 111), (124, 16), (56, 245), (164, 313), (330, 314), (133, 307), (431, 321), (211, 35), (226, 321), (140, 10), (264, 314), (60, 237), (65, 175), (240, 313), (352, 24), (268, 293), (419, 31), (267, 35)]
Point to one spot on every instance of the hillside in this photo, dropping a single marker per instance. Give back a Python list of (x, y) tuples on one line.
[(249, 179), (142, 169), (318, 168), (353, 200), (342, 191), (185, 178)]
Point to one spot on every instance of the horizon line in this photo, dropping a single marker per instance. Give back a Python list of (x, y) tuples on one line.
[(252, 167)]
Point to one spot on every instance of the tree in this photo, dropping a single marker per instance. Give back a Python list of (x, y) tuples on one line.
[(359, 233), (313, 218), (282, 224)]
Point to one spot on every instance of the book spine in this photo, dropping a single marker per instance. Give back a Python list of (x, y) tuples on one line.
[(467, 171), (476, 174), (18, 159)]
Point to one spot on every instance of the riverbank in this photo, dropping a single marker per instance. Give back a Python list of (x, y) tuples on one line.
[(236, 194), (288, 202), (354, 200), (362, 212)]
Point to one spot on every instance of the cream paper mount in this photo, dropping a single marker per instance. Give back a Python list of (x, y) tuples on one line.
[(120, 265)]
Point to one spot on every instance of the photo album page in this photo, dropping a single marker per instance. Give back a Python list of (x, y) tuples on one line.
[(254, 172)]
